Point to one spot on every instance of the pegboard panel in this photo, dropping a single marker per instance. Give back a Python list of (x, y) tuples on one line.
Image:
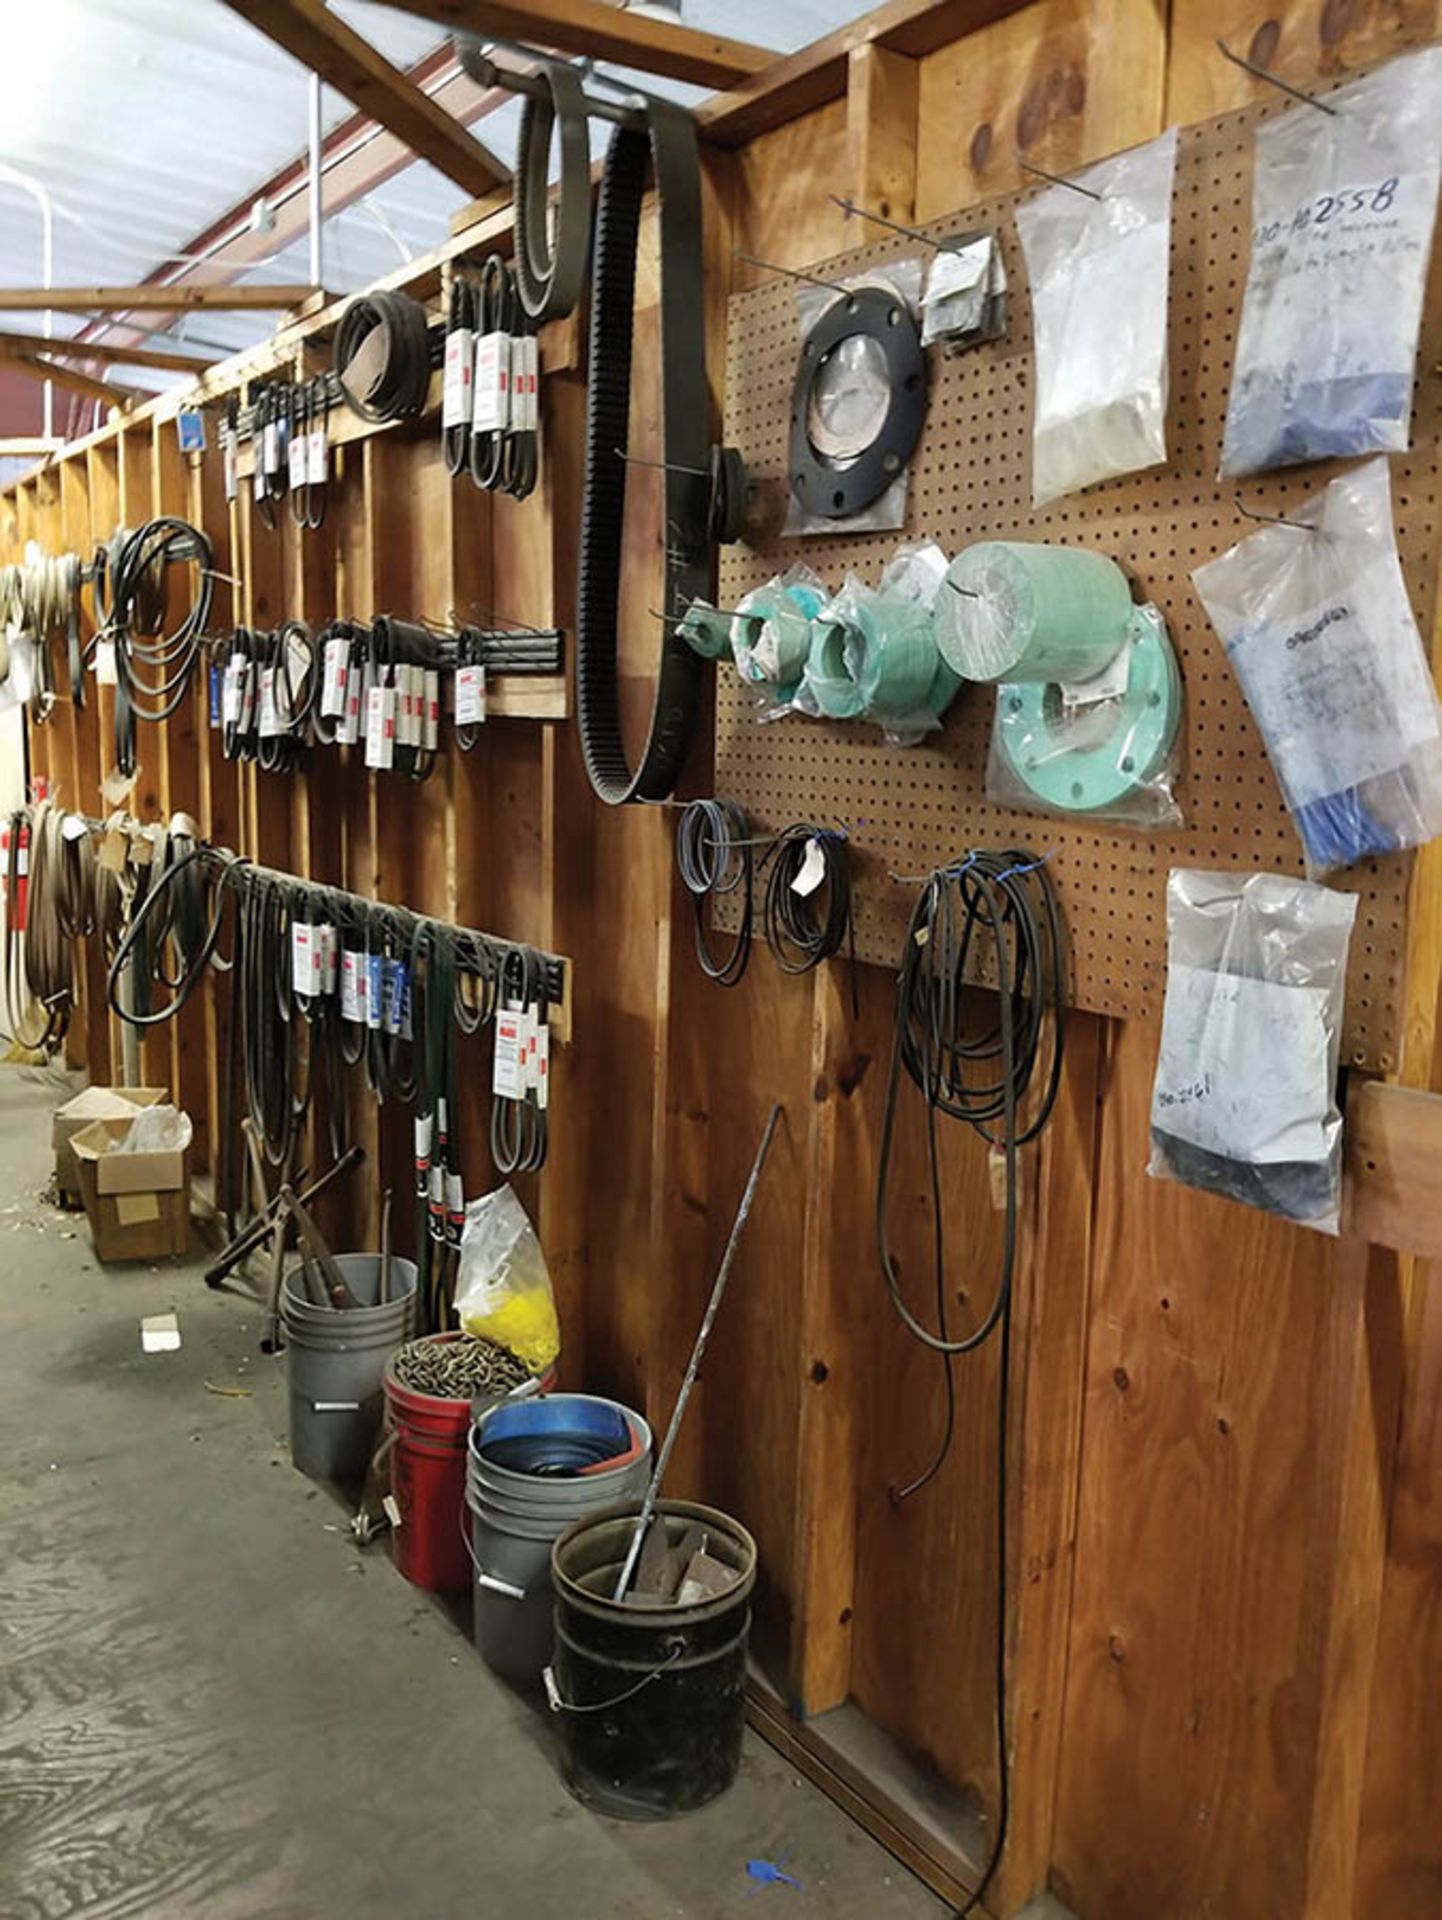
[(909, 810)]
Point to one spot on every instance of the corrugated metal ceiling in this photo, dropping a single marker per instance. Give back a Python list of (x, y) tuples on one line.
[(147, 120)]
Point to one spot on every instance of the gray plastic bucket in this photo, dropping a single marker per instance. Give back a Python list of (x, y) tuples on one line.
[(651, 1701), (514, 1518), (336, 1361)]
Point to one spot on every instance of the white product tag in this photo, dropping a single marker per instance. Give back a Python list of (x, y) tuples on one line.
[(470, 696), (270, 448), (1110, 684), (1243, 1067), (230, 693), (381, 727), (374, 990), (424, 1124), (491, 404), (352, 986), (228, 454), (317, 455), (73, 827), (455, 1195), (347, 731), (296, 463), (257, 477), (436, 1187), (269, 712), (442, 1117), (304, 960), (460, 370), (812, 871), (543, 1064), (431, 718), (332, 691), (519, 420), (329, 957), (531, 404), (506, 1075), (408, 730), (105, 675)]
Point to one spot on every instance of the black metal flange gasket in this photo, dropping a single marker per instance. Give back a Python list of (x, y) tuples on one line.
[(822, 486)]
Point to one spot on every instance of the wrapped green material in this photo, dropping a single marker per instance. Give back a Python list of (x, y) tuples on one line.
[(1020, 611)]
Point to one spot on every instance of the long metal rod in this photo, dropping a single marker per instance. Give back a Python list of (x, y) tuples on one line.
[(1274, 79), (489, 73), (313, 201), (693, 1367)]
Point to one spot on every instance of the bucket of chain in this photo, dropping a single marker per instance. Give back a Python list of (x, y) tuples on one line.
[(434, 1387), (651, 1698), (336, 1361), (532, 1469)]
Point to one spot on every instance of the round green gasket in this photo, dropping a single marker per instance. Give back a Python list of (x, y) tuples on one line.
[(1099, 756), (827, 675)]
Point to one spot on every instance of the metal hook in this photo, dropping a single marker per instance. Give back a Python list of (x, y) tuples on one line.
[(1272, 80), (792, 273), (664, 466), (1057, 180), (967, 593), (1271, 519), (850, 207)]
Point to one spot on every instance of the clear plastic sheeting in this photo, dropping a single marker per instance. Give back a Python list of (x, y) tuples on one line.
[(503, 1286), (965, 298), (1098, 268), (1316, 621), (1344, 205), (1244, 1099)]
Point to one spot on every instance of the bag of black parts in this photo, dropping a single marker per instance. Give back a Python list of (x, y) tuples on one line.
[(1316, 621), (1343, 206), (1244, 1100)]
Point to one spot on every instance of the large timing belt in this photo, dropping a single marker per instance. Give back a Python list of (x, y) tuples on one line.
[(670, 141)]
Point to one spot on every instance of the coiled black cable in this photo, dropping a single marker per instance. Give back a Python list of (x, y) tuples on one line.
[(995, 910), (397, 383), (154, 669), (462, 315), (804, 928), (714, 858)]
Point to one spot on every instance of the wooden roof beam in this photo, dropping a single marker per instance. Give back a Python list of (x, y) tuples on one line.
[(100, 352), (322, 41), (601, 31), (34, 368), (153, 297)]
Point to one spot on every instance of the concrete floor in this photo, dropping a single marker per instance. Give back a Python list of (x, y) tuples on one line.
[(212, 1703)]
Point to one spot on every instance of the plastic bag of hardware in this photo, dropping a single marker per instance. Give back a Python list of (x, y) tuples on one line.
[(1100, 749), (1097, 258), (874, 657), (1317, 624), (771, 636), (1343, 207), (850, 401), (965, 299), (1244, 1100), (503, 1288), (161, 1129)]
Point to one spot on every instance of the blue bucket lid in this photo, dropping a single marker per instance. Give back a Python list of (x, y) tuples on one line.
[(553, 1437)]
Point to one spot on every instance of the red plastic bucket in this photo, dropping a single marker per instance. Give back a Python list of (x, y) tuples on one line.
[(428, 1481)]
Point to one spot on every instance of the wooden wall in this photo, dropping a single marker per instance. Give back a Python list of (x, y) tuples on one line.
[(1227, 1584)]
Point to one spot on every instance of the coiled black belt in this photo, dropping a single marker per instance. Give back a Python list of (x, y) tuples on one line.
[(670, 141)]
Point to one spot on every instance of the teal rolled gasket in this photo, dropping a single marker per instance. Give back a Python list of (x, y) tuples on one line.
[(1099, 757), (897, 658), (706, 630), (1013, 610), (827, 673)]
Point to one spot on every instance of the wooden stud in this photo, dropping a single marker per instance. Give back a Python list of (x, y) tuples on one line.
[(102, 352), (881, 126), (150, 296)]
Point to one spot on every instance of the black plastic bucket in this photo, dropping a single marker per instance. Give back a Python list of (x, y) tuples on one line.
[(651, 1701)]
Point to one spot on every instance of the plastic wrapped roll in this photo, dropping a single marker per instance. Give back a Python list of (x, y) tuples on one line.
[(897, 658), (779, 646), (828, 673), (706, 630), (1015, 611)]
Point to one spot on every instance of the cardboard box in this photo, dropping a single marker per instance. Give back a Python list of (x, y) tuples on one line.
[(138, 1204), (96, 1103)]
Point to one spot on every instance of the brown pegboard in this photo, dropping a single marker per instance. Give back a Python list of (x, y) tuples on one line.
[(907, 810)]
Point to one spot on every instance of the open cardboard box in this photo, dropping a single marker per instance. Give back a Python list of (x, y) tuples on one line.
[(138, 1204), (95, 1103)]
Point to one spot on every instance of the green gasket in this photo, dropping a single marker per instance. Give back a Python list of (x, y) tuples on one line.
[(837, 694), (1082, 765), (898, 660), (706, 630)]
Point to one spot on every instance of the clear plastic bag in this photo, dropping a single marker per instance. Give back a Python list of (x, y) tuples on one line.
[(850, 401), (1317, 624), (503, 1287), (1244, 1099), (160, 1129), (965, 298), (1103, 749), (1343, 209), (874, 656), (1098, 270), (771, 635)]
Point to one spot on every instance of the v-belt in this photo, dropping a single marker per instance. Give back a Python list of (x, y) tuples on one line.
[(669, 141)]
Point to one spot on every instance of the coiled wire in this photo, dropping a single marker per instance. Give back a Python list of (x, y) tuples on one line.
[(714, 858), (153, 668)]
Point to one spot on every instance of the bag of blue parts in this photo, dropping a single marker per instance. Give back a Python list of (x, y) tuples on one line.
[(1315, 618), (1343, 207)]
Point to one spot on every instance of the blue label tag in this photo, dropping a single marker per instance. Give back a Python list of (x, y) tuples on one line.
[(190, 429), (398, 999), (374, 998), (214, 695)]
